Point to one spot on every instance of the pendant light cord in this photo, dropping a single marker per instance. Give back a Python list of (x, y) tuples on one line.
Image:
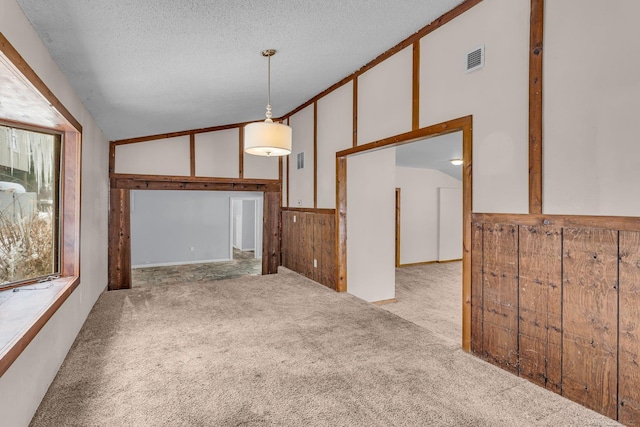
[(268, 88)]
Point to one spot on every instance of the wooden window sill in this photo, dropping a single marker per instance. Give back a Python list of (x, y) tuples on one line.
[(23, 313)]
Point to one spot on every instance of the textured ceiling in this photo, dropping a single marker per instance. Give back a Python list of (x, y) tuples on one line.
[(433, 153), (144, 67)]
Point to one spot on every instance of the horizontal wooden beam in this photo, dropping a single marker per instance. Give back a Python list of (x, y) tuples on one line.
[(621, 223), (311, 210), (161, 182), (411, 136)]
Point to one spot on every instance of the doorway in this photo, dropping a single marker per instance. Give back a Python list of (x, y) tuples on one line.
[(246, 230)]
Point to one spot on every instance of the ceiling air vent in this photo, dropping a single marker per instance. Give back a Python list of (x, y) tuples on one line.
[(475, 59)]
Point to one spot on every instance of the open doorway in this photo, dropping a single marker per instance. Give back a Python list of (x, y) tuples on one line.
[(246, 230), (367, 241), (186, 236)]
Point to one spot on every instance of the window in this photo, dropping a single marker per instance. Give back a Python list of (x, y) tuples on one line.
[(29, 205)]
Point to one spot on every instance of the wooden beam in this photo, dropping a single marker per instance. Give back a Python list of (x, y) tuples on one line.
[(620, 223), (271, 233), (341, 224), (355, 112), (407, 137), (535, 106), (180, 133), (398, 210), (119, 239), (315, 154), (241, 153), (415, 111), (192, 154), (467, 206), (311, 210), (112, 157)]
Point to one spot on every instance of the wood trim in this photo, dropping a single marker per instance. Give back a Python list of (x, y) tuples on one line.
[(112, 157), (192, 154), (288, 162), (407, 137), (398, 210), (119, 252), (385, 301), (467, 208), (355, 112), (536, 47), (241, 153), (181, 133), (447, 17), (271, 254), (341, 224), (19, 62), (620, 223), (310, 210), (70, 209), (17, 346), (415, 110), (315, 154), (176, 178)]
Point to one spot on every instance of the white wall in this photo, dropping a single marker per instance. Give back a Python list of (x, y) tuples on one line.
[(301, 180), (171, 227), (217, 153), (450, 224), (371, 225), (385, 98), (496, 96), (335, 133), (248, 225), (170, 156), (26, 381), (591, 105), (419, 212)]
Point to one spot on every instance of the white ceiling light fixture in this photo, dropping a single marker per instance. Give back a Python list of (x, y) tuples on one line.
[(456, 162), (267, 138)]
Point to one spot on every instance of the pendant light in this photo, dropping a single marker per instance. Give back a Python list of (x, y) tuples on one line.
[(267, 138)]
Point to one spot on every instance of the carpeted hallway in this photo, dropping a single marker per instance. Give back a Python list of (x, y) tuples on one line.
[(279, 350)]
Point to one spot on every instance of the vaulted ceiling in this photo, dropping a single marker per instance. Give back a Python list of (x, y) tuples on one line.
[(145, 67)]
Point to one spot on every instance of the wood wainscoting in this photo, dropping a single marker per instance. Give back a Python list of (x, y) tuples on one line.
[(308, 235), (556, 300)]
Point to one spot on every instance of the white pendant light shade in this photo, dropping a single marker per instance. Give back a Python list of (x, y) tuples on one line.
[(267, 139)]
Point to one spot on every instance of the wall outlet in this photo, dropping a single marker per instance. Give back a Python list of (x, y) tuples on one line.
[(294, 218), (315, 263)]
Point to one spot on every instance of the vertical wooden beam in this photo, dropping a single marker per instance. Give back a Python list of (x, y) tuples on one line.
[(535, 106), (241, 153), (629, 336), (341, 224), (315, 154), (355, 111), (590, 318), (71, 191), (288, 163), (271, 232), (192, 152), (467, 206), (415, 111), (112, 157), (398, 211), (119, 251)]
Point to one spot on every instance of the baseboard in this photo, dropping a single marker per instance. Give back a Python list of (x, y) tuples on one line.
[(169, 264), (384, 301), (415, 264)]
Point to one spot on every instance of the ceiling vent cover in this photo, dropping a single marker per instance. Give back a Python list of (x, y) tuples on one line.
[(475, 59)]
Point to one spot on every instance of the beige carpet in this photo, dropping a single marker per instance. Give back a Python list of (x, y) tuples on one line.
[(279, 350)]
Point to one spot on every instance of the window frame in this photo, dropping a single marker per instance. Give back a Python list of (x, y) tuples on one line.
[(57, 220), (56, 118)]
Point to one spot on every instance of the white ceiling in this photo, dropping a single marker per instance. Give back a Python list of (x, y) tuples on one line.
[(144, 67), (433, 153)]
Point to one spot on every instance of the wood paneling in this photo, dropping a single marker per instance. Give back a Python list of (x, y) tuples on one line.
[(309, 235), (477, 309), (562, 221), (540, 305), (119, 239), (590, 294), (341, 224), (629, 315), (500, 295)]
